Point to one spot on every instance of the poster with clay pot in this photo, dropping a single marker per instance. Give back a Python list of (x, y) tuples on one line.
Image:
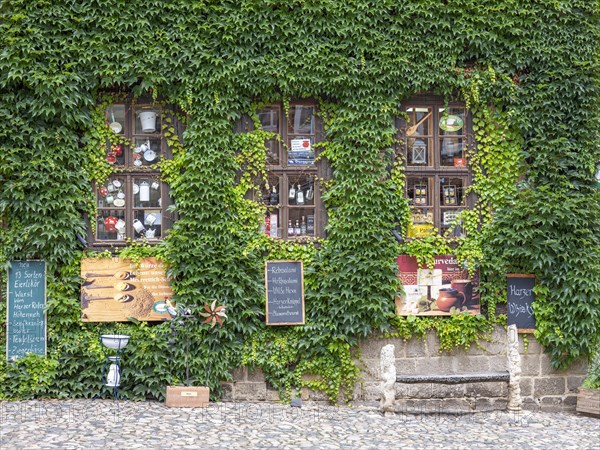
[(115, 289), (444, 290)]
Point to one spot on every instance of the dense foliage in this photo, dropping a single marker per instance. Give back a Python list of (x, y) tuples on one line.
[(528, 70)]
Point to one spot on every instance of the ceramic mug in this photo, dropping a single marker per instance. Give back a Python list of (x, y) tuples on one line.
[(150, 219), (465, 287), (120, 226), (138, 226), (109, 199), (155, 185)]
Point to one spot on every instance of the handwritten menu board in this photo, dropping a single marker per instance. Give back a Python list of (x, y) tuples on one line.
[(520, 300), (115, 290), (285, 292), (25, 312)]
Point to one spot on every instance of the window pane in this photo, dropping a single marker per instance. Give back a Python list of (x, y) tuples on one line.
[(419, 121), (115, 115), (147, 120), (452, 191), (301, 222), (301, 190), (272, 151), (452, 152), (271, 196), (146, 152), (452, 121), (418, 191), (146, 193), (301, 150), (115, 154), (269, 119), (111, 194), (421, 223), (111, 225), (148, 223), (450, 219), (419, 152), (301, 120)]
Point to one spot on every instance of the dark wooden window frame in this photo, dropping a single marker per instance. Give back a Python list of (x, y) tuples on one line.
[(436, 171), (127, 172), (320, 170)]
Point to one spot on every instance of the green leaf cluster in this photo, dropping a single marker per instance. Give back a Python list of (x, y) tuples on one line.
[(529, 72)]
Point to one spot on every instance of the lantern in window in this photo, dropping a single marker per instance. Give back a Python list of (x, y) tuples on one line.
[(419, 152)]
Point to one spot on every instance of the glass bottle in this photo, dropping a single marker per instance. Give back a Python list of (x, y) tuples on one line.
[(303, 227), (292, 195), (274, 199), (310, 193), (297, 230), (290, 228), (300, 196)]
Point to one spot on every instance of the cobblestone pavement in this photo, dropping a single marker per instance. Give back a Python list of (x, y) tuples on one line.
[(104, 424)]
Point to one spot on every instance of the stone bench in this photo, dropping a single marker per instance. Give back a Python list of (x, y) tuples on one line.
[(456, 378), (510, 376)]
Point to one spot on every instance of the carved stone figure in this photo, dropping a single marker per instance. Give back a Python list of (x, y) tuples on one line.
[(388, 379), (514, 368)]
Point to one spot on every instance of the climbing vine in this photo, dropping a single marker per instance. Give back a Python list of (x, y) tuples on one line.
[(527, 72)]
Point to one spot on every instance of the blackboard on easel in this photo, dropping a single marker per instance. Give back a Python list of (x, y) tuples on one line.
[(26, 309), (520, 301), (284, 285)]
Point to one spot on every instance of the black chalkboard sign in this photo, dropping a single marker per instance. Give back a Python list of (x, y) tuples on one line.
[(25, 312), (284, 283), (520, 299)]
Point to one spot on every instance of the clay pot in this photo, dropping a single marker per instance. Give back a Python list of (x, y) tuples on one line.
[(448, 298), (465, 287)]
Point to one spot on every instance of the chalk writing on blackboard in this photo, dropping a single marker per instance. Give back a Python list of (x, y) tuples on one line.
[(26, 316), (284, 283), (520, 301)]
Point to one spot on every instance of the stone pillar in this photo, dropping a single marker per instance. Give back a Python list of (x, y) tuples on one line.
[(388, 379), (514, 369)]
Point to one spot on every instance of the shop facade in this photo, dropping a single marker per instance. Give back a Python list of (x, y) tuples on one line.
[(155, 190)]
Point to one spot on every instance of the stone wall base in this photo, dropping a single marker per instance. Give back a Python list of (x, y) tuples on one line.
[(542, 388)]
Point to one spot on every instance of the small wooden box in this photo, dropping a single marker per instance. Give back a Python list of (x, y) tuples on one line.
[(588, 401), (187, 396)]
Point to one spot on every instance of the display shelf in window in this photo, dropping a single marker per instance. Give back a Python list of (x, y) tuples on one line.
[(147, 120), (449, 195)]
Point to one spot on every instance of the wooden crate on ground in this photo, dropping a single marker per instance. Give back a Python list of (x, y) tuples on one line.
[(187, 396), (588, 401)]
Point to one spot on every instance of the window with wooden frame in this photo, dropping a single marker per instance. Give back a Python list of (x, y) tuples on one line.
[(435, 137), (132, 203), (294, 208)]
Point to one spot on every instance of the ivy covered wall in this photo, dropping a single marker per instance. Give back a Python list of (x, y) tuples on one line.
[(528, 70)]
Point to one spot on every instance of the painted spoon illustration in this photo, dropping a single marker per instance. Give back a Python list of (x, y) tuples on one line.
[(86, 299), (119, 275)]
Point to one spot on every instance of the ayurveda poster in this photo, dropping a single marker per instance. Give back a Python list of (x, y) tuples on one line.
[(441, 291)]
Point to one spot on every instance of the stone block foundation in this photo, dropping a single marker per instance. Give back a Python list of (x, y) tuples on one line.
[(542, 388)]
